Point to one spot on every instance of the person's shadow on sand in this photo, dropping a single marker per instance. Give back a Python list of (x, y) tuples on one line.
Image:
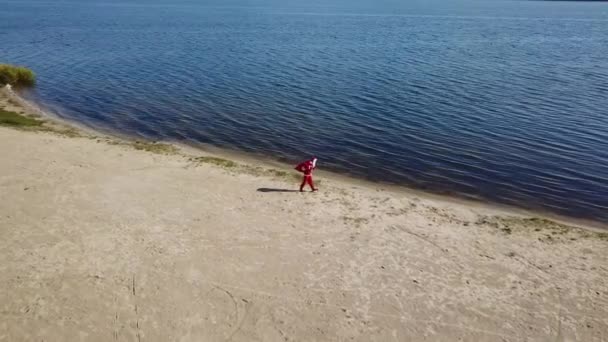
[(275, 190)]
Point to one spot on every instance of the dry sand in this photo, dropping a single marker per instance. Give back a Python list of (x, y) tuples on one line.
[(103, 242)]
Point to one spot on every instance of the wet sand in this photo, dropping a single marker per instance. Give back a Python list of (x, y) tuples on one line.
[(105, 240)]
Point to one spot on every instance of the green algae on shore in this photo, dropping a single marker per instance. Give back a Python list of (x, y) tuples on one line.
[(215, 160), (28, 123), (17, 120), (546, 230), (154, 147)]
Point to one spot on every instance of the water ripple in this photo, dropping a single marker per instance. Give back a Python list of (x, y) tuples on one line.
[(504, 102)]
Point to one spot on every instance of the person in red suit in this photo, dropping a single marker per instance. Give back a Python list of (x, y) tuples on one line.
[(306, 167)]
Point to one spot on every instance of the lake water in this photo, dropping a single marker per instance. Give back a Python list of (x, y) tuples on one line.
[(505, 101)]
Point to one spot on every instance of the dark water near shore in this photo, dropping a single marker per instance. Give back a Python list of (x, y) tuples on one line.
[(500, 100)]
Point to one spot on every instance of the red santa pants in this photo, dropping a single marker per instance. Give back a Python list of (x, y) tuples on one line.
[(307, 180)]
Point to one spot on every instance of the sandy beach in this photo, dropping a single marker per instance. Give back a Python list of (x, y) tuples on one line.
[(109, 240)]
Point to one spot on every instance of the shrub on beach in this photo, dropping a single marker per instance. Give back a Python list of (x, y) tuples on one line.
[(15, 75)]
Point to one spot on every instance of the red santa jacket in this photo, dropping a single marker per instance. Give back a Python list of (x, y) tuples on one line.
[(306, 167)]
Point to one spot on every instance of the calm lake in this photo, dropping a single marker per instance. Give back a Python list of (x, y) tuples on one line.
[(505, 101)]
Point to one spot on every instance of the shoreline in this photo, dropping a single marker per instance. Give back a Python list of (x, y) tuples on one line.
[(258, 160), (137, 240)]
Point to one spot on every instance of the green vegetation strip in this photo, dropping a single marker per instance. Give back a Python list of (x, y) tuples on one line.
[(13, 119), (154, 147), (547, 230), (15, 75), (216, 161)]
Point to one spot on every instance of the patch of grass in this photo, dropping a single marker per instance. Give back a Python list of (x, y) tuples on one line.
[(551, 231), (153, 147), (254, 171), (530, 223), (278, 173), (15, 75), (13, 119), (215, 161), (24, 122), (68, 132)]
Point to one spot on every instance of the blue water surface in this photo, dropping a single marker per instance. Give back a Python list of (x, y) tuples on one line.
[(505, 101)]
